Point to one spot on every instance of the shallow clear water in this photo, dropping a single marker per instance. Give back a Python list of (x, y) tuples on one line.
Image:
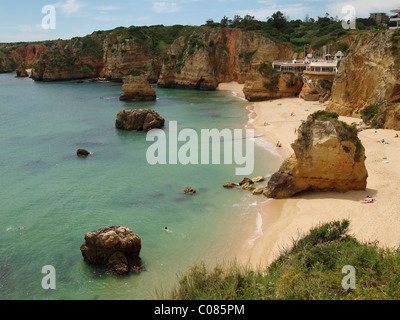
[(58, 197)]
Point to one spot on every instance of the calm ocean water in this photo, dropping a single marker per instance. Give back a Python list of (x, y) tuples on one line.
[(58, 197)]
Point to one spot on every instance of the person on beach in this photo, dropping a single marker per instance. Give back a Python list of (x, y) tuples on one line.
[(397, 135)]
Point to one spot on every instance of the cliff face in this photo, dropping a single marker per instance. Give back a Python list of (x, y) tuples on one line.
[(24, 56), (268, 85), (204, 59), (78, 58), (188, 65), (327, 156), (185, 57), (368, 75), (120, 56)]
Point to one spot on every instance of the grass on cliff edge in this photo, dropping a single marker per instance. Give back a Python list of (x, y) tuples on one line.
[(311, 269)]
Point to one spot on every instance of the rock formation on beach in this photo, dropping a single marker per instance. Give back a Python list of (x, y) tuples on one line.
[(264, 83), (115, 247), (137, 88), (247, 184), (328, 156), (140, 120)]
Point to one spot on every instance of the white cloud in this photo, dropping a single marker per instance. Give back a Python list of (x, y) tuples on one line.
[(363, 8), (69, 6), (166, 7), (107, 8)]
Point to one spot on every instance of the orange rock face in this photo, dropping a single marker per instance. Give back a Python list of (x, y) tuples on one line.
[(328, 156), (368, 75), (138, 89), (259, 86)]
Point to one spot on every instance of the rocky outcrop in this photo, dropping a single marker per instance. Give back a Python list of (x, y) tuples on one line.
[(21, 72), (315, 89), (140, 120), (82, 153), (247, 184), (137, 88), (115, 247), (189, 190), (368, 74), (328, 156), (264, 83)]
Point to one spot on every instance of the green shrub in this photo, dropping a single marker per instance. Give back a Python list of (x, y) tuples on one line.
[(311, 269), (324, 115), (134, 72), (369, 112)]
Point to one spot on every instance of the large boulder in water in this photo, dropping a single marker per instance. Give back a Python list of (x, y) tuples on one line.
[(115, 247), (141, 120)]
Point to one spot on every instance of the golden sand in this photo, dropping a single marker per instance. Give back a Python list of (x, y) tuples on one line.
[(278, 222)]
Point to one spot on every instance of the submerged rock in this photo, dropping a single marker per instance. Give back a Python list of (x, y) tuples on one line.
[(141, 120), (115, 247), (246, 184), (258, 179), (229, 185), (328, 156), (189, 190)]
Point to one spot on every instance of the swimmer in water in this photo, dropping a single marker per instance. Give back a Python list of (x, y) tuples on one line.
[(166, 229)]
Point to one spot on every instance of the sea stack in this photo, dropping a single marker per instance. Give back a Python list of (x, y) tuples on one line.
[(137, 88), (140, 120), (115, 247), (328, 156)]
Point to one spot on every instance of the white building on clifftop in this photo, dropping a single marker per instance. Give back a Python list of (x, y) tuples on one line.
[(395, 18)]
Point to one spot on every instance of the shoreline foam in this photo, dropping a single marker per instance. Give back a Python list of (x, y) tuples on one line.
[(286, 219)]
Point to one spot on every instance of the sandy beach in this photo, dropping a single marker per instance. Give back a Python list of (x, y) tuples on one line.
[(278, 222)]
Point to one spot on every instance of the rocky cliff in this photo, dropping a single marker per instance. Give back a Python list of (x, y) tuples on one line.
[(369, 76), (205, 58), (78, 58), (177, 56), (24, 55), (327, 156), (264, 83)]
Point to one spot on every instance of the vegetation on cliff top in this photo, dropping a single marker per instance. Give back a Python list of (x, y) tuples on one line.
[(310, 32), (311, 269), (344, 131)]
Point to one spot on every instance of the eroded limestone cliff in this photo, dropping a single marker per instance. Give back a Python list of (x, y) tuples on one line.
[(264, 83), (369, 75), (327, 156)]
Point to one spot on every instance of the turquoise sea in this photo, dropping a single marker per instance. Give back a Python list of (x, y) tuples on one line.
[(57, 197)]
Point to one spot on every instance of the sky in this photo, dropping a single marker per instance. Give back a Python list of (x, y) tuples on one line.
[(29, 20)]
